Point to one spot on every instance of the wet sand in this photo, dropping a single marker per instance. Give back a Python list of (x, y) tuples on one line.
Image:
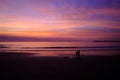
[(22, 66)]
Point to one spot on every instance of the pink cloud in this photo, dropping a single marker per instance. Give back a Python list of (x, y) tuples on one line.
[(45, 18)]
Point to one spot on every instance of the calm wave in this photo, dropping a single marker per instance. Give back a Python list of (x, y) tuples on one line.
[(61, 48)]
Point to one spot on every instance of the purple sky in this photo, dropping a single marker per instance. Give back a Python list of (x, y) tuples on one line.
[(59, 20)]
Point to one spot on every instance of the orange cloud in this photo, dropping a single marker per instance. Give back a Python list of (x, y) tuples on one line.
[(46, 19)]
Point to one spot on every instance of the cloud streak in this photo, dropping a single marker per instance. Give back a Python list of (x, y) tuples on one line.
[(77, 19)]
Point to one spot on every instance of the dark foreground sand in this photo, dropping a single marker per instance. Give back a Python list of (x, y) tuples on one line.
[(23, 67)]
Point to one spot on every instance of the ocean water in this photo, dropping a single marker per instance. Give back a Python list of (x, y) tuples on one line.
[(62, 48)]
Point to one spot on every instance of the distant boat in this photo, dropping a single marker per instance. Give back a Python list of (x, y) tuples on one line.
[(105, 41)]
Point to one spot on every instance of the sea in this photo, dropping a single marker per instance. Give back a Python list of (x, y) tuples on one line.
[(62, 48)]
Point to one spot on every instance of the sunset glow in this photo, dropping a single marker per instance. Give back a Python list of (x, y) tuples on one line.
[(59, 20)]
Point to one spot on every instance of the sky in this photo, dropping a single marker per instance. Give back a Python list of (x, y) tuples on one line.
[(59, 20)]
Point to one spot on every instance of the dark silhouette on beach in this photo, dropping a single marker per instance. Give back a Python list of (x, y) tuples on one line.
[(22, 66), (78, 54), (66, 57)]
